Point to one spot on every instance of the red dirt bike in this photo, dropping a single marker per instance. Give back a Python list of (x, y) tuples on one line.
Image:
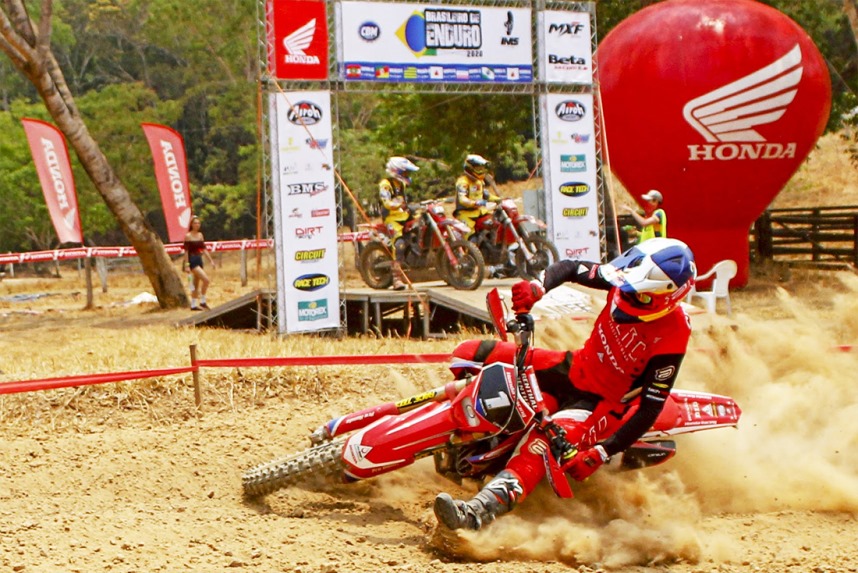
[(430, 238), (513, 243), (472, 425)]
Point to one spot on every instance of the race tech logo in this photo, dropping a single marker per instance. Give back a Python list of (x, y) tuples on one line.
[(298, 41), (727, 117)]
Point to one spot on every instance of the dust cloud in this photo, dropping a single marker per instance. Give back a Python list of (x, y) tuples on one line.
[(796, 448)]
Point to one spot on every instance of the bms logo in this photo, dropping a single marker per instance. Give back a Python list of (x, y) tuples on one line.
[(424, 34), (727, 116), (298, 41)]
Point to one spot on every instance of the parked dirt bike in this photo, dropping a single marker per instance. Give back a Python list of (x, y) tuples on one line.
[(512, 243), (430, 238), (471, 426)]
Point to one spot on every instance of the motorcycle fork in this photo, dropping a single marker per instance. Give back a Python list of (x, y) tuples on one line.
[(509, 227), (445, 244)]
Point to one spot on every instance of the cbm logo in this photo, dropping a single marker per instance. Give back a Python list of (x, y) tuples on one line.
[(369, 31)]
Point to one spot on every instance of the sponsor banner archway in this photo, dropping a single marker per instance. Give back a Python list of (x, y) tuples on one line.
[(305, 211), (51, 156), (171, 173)]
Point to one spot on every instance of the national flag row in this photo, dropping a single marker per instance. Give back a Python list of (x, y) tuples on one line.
[(51, 157)]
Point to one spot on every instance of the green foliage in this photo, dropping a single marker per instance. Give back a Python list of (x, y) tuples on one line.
[(193, 66)]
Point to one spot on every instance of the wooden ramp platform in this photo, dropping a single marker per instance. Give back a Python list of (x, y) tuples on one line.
[(429, 310)]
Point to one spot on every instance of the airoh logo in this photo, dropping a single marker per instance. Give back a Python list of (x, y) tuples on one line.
[(304, 113), (570, 110), (728, 116), (298, 41)]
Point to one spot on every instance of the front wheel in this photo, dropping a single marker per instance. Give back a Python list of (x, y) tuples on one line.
[(376, 266), (543, 252), (468, 273), (320, 463)]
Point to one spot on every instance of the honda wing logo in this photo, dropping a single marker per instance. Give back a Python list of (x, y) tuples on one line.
[(298, 41), (732, 112)]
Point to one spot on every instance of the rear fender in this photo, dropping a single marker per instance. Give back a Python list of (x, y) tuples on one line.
[(397, 441), (686, 411)]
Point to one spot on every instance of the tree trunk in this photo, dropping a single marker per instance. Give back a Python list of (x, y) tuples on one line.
[(30, 52), (851, 9)]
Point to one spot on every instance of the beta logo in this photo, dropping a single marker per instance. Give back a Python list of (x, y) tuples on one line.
[(570, 110), (566, 60), (312, 310), (309, 283), (574, 189), (369, 31), (575, 212), (310, 255), (304, 113)]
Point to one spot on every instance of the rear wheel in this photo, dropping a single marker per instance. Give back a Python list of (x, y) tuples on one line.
[(316, 465), (468, 273), (544, 254), (376, 265)]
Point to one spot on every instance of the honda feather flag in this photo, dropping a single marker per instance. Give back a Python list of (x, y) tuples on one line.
[(171, 172), (51, 157)]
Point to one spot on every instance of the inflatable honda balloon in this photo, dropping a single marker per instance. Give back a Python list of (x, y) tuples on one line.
[(715, 103)]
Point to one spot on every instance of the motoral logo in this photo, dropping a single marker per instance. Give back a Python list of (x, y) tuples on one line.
[(310, 255), (570, 110), (306, 188), (312, 282), (574, 189), (575, 212), (304, 113), (312, 309), (573, 163), (726, 116)]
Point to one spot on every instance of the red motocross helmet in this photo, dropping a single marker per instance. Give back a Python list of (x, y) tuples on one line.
[(651, 279)]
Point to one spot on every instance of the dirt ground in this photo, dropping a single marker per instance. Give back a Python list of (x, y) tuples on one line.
[(130, 478)]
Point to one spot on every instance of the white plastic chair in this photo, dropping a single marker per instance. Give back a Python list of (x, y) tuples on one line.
[(723, 271)]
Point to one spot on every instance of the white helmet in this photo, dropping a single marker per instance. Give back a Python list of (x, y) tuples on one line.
[(399, 167), (652, 278)]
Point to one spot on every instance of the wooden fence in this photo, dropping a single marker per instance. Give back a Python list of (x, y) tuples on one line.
[(820, 235)]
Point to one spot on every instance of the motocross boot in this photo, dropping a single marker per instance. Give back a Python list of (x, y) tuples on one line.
[(498, 497)]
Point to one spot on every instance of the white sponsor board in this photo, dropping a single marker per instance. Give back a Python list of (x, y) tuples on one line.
[(395, 42), (565, 49), (569, 171), (305, 211)]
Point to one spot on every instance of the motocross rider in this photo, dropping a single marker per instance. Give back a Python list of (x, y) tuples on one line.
[(472, 193), (394, 208), (635, 349)]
